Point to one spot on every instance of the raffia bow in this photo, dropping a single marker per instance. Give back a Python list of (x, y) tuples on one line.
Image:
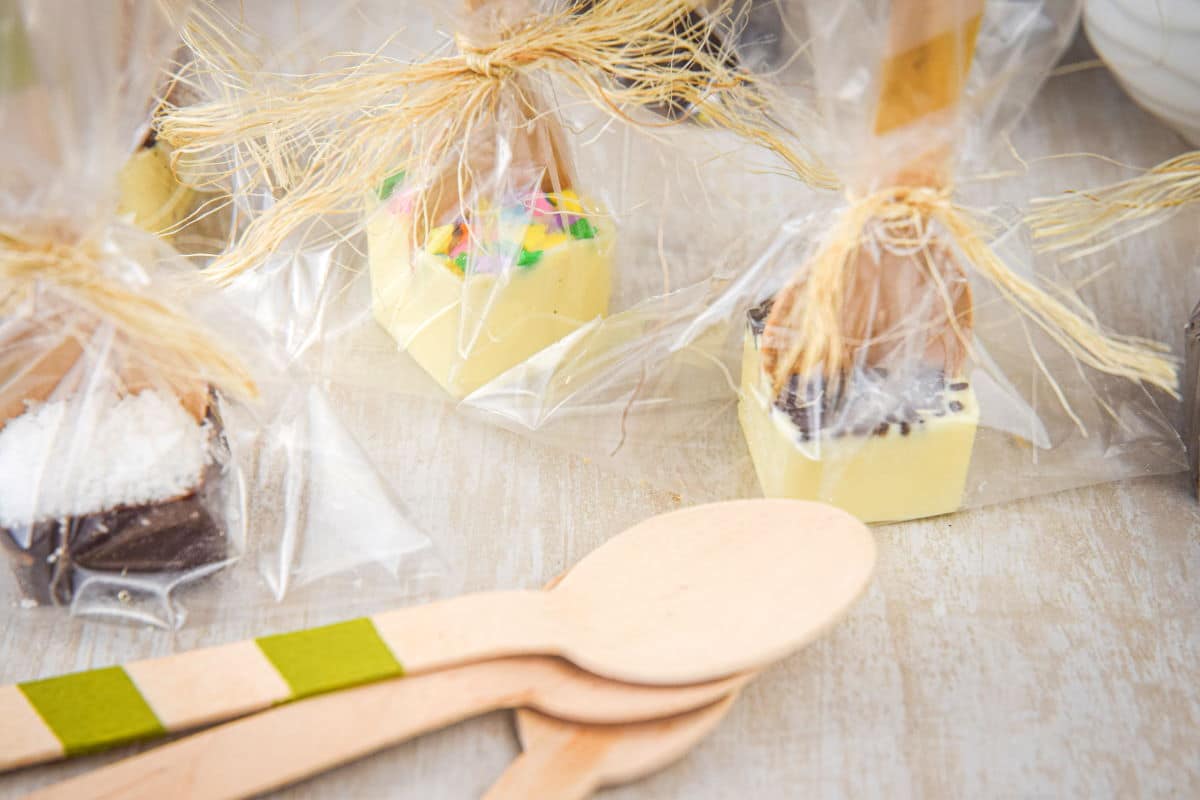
[(1085, 221), (164, 341), (485, 61), (354, 127), (809, 309)]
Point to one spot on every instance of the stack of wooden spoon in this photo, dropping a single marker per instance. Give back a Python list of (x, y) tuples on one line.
[(629, 659)]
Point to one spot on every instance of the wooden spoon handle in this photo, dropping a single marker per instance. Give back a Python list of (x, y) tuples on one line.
[(277, 747), (550, 772), (87, 711), (569, 760), (930, 47), (272, 749)]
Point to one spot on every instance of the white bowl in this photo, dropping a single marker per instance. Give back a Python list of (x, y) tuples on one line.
[(1153, 47)]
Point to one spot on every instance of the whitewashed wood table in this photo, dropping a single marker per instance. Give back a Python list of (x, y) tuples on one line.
[(1045, 648)]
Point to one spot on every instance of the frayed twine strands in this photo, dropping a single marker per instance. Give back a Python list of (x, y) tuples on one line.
[(1086, 221), (164, 341), (322, 142), (808, 314)]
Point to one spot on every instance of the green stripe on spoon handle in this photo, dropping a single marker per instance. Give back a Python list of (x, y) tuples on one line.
[(681, 598), (97, 709), (274, 748)]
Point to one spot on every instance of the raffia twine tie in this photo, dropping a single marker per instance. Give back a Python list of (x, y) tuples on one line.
[(352, 128), (905, 208), (809, 308), (487, 61), (170, 339), (1084, 221)]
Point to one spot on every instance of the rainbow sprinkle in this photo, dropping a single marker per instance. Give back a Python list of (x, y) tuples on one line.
[(522, 233), (519, 234)]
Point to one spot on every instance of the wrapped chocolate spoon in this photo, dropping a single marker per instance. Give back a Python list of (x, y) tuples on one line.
[(860, 374), (139, 410)]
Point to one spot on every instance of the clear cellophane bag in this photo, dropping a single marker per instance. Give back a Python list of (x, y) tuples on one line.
[(445, 273), (157, 453), (546, 272), (908, 353)]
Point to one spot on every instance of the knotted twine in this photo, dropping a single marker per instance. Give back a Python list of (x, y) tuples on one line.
[(163, 340), (808, 315), (356, 126)]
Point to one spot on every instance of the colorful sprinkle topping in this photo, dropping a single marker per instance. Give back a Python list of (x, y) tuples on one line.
[(389, 185), (518, 234)]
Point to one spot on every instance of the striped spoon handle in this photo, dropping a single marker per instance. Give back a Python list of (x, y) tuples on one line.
[(51, 718)]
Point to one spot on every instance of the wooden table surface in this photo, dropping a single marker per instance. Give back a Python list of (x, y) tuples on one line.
[(1043, 648)]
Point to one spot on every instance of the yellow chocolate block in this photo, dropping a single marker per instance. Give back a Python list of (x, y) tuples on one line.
[(465, 330), (150, 191), (904, 471)]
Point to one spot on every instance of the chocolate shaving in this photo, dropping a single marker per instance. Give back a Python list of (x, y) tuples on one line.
[(870, 401)]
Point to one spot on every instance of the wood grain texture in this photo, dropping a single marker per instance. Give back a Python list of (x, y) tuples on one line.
[(567, 760), (233, 679), (274, 748), (1045, 648), (20, 723)]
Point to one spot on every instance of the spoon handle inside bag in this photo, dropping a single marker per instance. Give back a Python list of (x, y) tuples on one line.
[(927, 58), (88, 711)]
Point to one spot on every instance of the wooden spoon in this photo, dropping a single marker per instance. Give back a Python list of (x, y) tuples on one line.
[(274, 748), (569, 761), (240, 758), (685, 597)]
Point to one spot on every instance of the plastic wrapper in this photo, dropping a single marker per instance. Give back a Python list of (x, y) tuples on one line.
[(150, 434), (966, 372), (652, 176), (492, 233), (1080, 223), (914, 362)]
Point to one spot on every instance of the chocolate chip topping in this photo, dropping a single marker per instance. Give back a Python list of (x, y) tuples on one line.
[(869, 401), (757, 316)]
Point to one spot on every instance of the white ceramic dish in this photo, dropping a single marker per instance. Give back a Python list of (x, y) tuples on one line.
[(1153, 47)]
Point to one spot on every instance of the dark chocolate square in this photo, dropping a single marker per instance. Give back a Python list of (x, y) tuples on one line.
[(172, 535)]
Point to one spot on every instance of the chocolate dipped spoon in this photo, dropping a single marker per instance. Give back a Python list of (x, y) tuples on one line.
[(684, 597)]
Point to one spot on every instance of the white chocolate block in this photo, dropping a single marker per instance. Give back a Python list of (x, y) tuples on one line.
[(906, 469), (151, 193), (466, 329)]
